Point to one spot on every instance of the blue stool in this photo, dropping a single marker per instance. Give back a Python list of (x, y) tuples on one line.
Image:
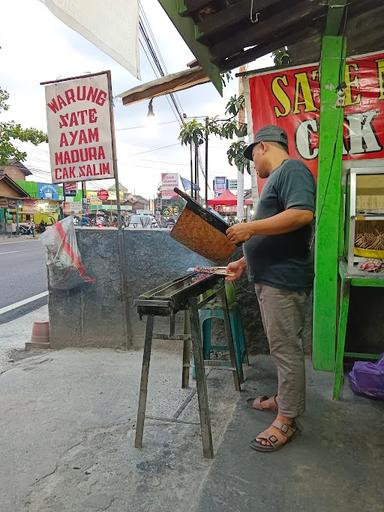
[(206, 316), (215, 311)]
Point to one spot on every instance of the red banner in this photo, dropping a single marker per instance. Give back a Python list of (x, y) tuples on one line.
[(291, 99)]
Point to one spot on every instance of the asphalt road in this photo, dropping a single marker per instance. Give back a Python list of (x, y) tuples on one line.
[(22, 275)]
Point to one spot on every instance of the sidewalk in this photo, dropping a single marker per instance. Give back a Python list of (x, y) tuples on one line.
[(67, 429)]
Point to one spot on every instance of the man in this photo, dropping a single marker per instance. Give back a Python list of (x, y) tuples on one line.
[(278, 258)]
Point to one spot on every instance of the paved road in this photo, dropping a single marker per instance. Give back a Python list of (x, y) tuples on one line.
[(22, 275)]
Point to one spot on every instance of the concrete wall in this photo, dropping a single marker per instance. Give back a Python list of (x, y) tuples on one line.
[(95, 315)]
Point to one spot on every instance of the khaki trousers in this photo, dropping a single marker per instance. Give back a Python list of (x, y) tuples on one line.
[(282, 313)]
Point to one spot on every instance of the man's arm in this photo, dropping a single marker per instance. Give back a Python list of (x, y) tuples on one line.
[(284, 222)]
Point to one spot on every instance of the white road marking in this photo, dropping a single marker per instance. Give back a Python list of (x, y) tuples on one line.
[(20, 242), (22, 302), (9, 252)]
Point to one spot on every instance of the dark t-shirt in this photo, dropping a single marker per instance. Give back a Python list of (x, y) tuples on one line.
[(283, 261)]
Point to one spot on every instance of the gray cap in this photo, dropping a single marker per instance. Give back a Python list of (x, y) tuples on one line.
[(269, 133)]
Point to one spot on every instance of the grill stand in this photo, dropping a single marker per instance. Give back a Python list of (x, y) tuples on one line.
[(191, 339)]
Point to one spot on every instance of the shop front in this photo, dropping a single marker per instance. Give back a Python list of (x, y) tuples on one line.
[(11, 201)]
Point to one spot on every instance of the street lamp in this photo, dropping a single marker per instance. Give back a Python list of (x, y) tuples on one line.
[(151, 119)]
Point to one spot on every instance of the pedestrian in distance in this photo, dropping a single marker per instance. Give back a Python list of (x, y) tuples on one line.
[(278, 259)]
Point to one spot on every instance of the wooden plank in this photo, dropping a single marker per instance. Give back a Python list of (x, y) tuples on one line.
[(342, 332), (186, 29), (193, 6), (335, 17), (165, 85), (329, 189), (233, 14), (287, 20), (264, 49)]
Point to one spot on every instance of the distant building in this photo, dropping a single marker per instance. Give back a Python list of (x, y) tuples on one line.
[(15, 170)]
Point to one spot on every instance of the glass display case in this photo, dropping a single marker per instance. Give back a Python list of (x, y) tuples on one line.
[(364, 219)]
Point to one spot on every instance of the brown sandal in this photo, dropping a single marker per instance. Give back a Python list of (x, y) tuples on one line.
[(257, 403), (275, 443)]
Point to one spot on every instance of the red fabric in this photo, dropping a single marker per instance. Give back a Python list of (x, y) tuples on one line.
[(227, 198), (290, 98), (68, 249)]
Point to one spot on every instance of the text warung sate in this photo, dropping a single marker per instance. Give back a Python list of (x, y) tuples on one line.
[(79, 121)]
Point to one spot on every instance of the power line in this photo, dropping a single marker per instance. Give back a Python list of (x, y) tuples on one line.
[(148, 37), (152, 150), (143, 126)]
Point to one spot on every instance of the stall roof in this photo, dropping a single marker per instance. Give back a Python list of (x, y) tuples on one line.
[(225, 34), (13, 186), (18, 164)]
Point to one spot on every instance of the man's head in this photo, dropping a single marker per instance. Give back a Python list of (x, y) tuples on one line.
[(269, 148)]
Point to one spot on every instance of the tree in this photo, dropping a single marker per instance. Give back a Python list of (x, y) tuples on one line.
[(236, 156), (11, 131), (281, 57), (195, 133)]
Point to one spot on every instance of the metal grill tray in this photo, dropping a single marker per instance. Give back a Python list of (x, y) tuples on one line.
[(171, 297)]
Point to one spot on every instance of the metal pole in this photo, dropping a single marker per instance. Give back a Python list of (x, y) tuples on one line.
[(83, 195), (206, 162), (115, 170), (196, 171), (120, 232), (191, 163), (17, 218), (240, 175)]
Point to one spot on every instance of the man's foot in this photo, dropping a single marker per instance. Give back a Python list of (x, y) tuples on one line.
[(276, 436), (262, 403)]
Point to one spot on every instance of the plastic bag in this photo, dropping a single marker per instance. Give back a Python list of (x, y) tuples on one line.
[(65, 268), (367, 378)]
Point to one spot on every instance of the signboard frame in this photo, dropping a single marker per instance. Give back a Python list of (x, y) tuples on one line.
[(68, 137)]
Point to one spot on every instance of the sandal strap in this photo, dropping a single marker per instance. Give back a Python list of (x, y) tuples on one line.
[(258, 402), (284, 428)]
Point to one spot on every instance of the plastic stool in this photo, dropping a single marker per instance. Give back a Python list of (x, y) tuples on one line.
[(206, 316)]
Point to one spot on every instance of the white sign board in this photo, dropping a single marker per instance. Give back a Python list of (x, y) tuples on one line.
[(79, 121), (219, 185), (232, 184), (169, 180)]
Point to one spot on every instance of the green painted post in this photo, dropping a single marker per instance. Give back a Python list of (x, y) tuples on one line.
[(328, 207)]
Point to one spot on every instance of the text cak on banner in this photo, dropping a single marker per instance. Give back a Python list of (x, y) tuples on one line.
[(169, 180), (290, 99), (80, 129)]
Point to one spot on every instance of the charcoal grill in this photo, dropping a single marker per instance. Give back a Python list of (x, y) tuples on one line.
[(187, 293)]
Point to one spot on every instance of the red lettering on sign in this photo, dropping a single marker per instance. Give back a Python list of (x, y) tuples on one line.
[(79, 155), (80, 93)]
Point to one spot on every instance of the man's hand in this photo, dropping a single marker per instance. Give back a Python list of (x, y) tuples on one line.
[(279, 224), (236, 269), (239, 232)]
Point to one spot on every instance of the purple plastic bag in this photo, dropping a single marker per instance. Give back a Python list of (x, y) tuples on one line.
[(367, 378)]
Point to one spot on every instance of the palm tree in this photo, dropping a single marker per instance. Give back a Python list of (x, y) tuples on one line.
[(193, 133)]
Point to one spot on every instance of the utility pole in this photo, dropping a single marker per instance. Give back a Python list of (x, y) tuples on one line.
[(240, 175)]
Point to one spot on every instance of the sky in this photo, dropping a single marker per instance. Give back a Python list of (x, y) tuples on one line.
[(37, 47)]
